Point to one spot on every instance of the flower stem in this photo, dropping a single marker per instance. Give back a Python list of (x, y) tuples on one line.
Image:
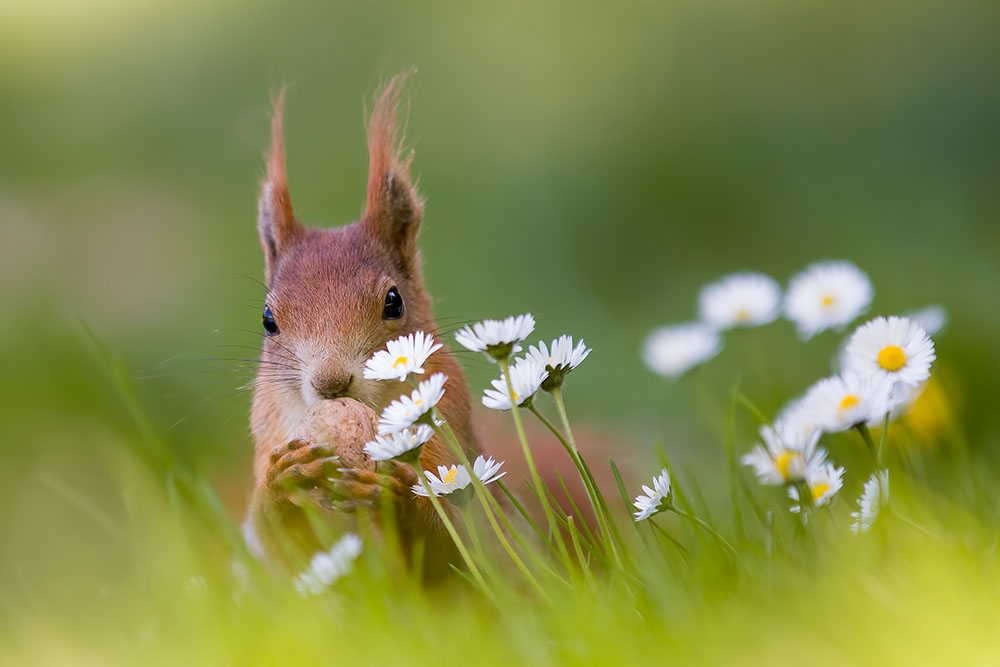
[(536, 480), (456, 538), (866, 435), (574, 454), (880, 457), (484, 498)]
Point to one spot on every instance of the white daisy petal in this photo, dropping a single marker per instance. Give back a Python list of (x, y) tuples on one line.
[(393, 445), (326, 567), (673, 350), (401, 357), (840, 402), (896, 349), (827, 295), (408, 410), (873, 499), (740, 300), (526, 377), (451, 481), (497, 338), (487, 470), (824, 481), (654, 500), (786, 456), (797, 420), (559, 360)]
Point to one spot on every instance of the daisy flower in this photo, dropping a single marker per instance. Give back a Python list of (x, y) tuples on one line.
[(403, 445), (401, 357), (797, 420), (454, 481), (895, 348), (740, 300), (560, 360), (843, 401), (497, 338), (785, 456), (656, 499), (326, 567), (526, 377), (827, 295), (823, 481), (674, 350), (873, 499), (406, 411), (931, 319)]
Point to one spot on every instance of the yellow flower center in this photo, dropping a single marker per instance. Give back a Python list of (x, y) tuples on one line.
[(849, 402), (892, 358), (449, 477), (828, 301), (514, 394), (743, 315), (784, 461), (819, 490), (400, 362)]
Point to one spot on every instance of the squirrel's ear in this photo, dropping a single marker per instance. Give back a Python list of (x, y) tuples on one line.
[(393, 207), (275, 220)]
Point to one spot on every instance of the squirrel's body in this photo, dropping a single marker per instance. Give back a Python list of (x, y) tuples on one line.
[(335, 296)]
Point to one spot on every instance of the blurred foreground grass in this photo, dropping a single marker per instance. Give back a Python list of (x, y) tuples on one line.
[(163, 577)]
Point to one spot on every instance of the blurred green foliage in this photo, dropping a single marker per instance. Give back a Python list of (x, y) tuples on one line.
[(604, 159)]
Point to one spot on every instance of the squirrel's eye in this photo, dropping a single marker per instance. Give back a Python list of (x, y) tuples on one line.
[(270, 326), (393, 309)]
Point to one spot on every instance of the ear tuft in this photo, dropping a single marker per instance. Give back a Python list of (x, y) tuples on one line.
[(393, 207), (275, 218)]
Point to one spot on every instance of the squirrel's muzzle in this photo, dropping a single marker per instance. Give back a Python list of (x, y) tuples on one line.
[(331, 384)]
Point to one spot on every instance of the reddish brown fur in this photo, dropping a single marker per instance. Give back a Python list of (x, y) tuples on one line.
[(276, 159), (326, 290)]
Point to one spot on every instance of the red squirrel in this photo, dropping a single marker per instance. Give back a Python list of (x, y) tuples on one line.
[(335, 296)]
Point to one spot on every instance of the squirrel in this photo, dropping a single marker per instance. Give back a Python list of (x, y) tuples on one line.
[(335, 296)]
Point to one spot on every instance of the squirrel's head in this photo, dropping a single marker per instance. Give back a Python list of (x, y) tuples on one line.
[(337, 295)]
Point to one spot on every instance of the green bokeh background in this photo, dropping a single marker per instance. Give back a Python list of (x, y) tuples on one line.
[(593, 163)]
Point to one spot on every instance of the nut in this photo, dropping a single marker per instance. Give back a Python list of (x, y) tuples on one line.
[(343, 423)]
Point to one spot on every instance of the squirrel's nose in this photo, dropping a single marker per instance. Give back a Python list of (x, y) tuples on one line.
[(331, 385)]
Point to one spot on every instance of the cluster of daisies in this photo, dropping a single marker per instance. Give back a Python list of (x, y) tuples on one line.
[(884, 363), (410, 421), (826, 295), (882, 368)]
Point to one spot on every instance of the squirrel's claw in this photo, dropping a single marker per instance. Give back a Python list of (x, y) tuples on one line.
[(291, 446), (301, 466), (314, 497), (365, 488)]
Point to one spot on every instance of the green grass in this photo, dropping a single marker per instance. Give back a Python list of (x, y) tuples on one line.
[(166, 579)]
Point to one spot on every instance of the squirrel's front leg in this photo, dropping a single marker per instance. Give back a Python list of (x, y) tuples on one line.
[(302, 477), (290, 486)]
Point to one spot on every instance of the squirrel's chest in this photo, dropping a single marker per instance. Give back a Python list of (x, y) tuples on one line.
[(273, 421)]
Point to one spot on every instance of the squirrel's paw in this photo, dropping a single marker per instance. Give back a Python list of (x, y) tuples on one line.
[(298, 471), (357, 488)]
